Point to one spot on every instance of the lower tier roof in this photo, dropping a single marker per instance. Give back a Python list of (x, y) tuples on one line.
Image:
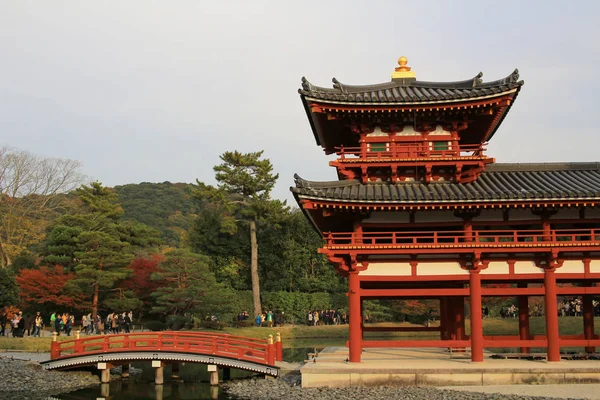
[(500, 182)]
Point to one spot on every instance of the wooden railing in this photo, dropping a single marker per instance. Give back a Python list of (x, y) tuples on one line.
[(496, 238), (412, 150), (238, 347)]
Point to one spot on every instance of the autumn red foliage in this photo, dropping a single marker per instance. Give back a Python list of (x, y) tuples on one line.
[(140, 281), (46, 286)]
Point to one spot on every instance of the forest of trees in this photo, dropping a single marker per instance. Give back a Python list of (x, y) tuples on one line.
[(170, 252)]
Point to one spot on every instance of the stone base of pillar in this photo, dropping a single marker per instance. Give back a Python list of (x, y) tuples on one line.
[(159, 376), (214, 375), (104, 369)]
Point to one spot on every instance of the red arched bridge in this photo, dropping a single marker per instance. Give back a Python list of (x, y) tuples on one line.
[(222, 350)]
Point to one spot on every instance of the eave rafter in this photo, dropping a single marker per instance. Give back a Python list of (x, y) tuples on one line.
[(320, 106), (310, 204)]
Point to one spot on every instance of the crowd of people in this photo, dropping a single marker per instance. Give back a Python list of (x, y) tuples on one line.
[(63, 323), (268, 319), (326, 317)]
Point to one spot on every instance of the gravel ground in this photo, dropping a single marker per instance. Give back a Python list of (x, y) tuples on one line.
[(586, 391), (28, 380), (25, 356), (288, 388)]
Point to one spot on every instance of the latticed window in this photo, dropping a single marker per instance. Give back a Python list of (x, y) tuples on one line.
[(440, 146), (378, 147)]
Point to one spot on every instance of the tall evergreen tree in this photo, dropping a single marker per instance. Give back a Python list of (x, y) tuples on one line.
[(93, 242), (244, 189)]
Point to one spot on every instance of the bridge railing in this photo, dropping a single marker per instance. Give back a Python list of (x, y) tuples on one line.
[(225, 345)]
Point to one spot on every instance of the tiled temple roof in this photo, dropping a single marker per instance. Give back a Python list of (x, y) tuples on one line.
[(408, 91), (500, 182)]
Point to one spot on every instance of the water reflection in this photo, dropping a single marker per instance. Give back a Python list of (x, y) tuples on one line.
[(182, 382), (118, 390)]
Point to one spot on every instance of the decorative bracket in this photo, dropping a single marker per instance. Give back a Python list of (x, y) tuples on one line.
[(474, 264)]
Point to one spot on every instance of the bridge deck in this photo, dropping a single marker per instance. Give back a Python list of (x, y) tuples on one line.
[(201, 347)]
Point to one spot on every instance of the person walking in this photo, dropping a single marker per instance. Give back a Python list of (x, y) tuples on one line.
[(57, 324), (38, 323)]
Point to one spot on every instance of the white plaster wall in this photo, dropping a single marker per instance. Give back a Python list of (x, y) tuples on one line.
[(527, 267), (495, 267), (387, 269), (595, 266), (571, 267), (441, 268)]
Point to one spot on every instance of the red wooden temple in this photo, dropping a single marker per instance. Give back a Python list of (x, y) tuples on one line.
[(421, 212)]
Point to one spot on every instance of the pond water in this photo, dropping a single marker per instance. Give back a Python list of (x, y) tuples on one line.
[(193, 383)]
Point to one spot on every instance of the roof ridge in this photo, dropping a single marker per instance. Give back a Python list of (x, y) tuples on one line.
[(473, 83), (545, 166)]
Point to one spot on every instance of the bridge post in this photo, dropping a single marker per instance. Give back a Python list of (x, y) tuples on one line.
[(279, 347), (104, 369), (270, 351), (54, 347), (214, 375), (159, 377)]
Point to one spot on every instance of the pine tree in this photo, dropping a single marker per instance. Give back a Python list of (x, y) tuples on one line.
[(244, 189), (92, 242)]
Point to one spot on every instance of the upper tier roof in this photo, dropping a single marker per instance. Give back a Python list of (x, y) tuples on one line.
[(500, 182), (410, 91)]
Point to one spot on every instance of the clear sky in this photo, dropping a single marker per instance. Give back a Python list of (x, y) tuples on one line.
[(153, 91)]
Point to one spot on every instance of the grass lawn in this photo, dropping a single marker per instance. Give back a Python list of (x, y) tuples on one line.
[(307, 336)]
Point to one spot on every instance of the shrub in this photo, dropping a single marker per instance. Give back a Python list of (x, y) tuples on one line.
[(155, 325), (215, 325)]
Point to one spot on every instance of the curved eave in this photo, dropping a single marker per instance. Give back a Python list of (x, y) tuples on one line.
[(386, 203), (495, 128), (359, 104), (313, 127), (305, 212)]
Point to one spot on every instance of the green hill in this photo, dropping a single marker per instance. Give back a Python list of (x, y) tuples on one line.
[(164, 206)]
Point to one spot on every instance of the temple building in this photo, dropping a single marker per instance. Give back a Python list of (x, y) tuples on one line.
[(420, 211)]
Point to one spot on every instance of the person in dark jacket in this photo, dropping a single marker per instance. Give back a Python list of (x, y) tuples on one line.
[(57, 322), (21, 325), (3, 321)]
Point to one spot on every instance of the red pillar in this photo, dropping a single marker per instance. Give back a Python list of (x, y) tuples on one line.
[(588, 320), (523, 317), (354, 305), (476, 324), (551, 316)]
